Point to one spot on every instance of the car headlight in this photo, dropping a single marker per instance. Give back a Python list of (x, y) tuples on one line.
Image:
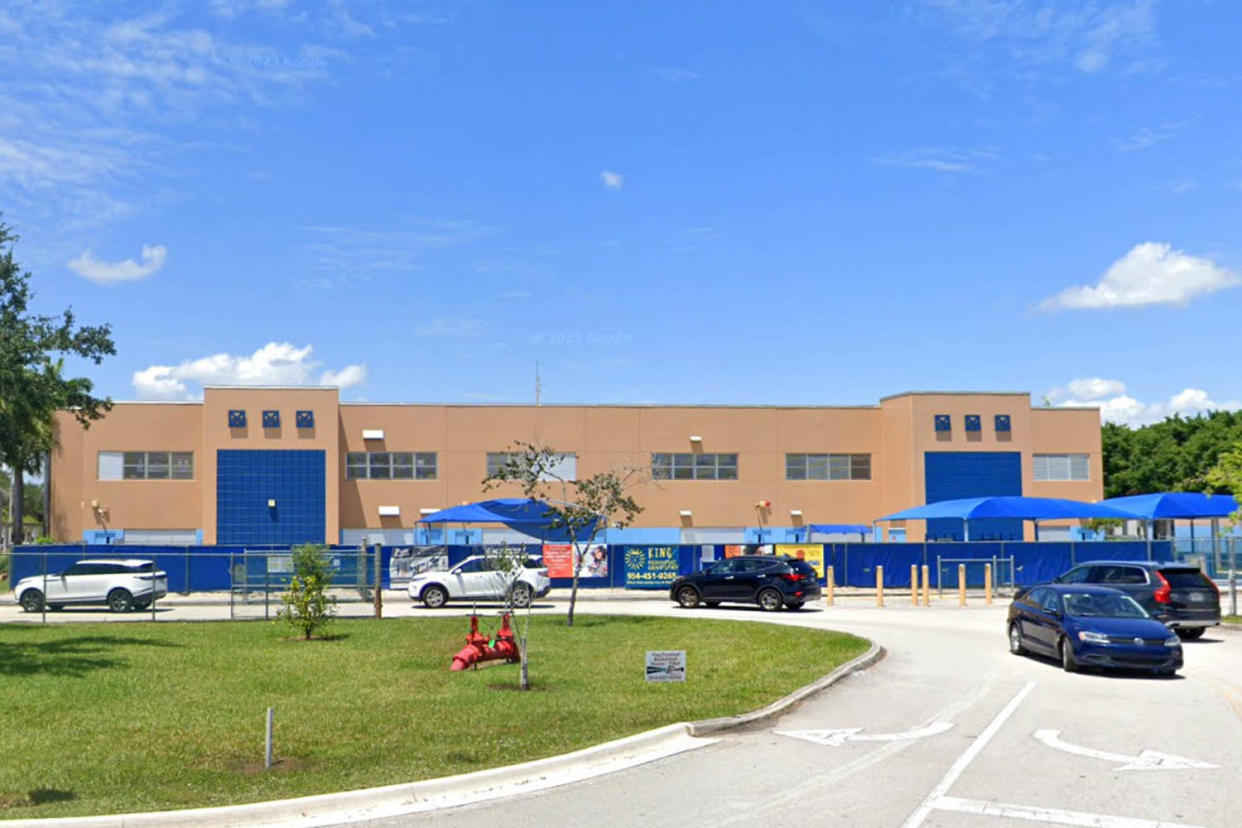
[(1092, 637), (1172, 641)]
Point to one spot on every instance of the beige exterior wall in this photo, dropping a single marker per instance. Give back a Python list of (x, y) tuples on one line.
[(896, 433)]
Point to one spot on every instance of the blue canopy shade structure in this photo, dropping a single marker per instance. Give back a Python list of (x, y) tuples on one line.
[(1175, 505), (838, 528), (1012, 507), (1008, 507), (526, 515)]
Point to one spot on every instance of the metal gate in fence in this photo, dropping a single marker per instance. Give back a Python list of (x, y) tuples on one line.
[(975, 569)]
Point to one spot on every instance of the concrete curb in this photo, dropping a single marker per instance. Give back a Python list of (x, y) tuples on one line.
[(464, 789), (872, 656)]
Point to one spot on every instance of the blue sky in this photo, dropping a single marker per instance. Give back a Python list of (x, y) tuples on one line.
[(691, 202)]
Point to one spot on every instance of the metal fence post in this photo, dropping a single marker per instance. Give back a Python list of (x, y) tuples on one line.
[(379, 601), (44, 585), (1233, 576)]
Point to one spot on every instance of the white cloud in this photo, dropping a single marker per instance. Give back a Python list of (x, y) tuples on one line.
[(1118, 407), (940, 159), (1146, 137), (450, 326), (612, 180), (110, 273), (1152, 273), (276, 363)]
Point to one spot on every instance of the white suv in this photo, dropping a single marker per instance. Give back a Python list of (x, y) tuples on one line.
[(476, 578), (120, 584)]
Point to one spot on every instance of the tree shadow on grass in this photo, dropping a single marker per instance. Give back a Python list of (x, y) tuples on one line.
[(68, 657)]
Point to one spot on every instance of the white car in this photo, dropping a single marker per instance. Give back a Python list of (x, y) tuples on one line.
[(476, 578), (121, 585)]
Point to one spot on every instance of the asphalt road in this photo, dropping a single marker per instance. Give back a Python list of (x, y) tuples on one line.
[(961, 716)]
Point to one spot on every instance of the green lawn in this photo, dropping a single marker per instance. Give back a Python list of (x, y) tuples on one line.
[(133, 717), (1232, 619)]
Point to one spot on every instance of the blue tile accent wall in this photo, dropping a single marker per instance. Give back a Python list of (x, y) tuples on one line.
[(305, 419), (1002, 422), (973, 423), (271, 419), (247, 479), (237, 418), (949, 475)]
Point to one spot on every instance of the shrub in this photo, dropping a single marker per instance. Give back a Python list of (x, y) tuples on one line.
[(306, 605)]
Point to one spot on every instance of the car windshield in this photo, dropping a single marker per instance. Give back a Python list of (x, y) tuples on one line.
[(1102, 605)]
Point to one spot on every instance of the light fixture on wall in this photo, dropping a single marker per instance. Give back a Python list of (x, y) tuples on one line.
[(694, 438), (795, 513), (271, 503), (428, 510), (373, 434), (390, 511), (686, 513)]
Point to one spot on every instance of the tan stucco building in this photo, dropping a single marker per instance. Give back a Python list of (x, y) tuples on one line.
[(279, 465)]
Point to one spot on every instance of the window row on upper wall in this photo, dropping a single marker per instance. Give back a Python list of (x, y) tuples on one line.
[(561, 466), (973, 423), (827, 466), (690, 466), (1060, 467), (391, 465), (146, 465)]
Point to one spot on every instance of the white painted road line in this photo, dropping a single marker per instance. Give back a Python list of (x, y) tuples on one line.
[(1146, 760), (838, 737), (981, 741), (1051, 816)]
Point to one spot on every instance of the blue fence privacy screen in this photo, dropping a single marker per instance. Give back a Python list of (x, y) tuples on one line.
[(269, 496), (951, 475), (220, 568)]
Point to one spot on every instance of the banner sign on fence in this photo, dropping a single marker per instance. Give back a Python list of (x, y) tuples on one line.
[(666, 665), (812, 553), (559, 559), (651, 566)]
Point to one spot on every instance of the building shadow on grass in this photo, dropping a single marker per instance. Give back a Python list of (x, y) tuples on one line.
[(68, 657)]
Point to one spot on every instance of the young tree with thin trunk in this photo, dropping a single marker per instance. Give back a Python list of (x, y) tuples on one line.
[(581, 509)]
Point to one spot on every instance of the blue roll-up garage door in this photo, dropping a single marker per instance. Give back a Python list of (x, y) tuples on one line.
[(247, 481), (950, 475)]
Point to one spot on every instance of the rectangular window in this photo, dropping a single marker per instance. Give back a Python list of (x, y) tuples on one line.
[(694, 466), (827, 466), (146, 465), (1061, 467), (562, 467), (390, 465)]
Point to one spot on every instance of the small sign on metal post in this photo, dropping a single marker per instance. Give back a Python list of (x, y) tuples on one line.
[(666, 665)]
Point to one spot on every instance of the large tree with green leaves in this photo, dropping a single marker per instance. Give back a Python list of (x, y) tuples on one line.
[(33, 385), (1172, 455)]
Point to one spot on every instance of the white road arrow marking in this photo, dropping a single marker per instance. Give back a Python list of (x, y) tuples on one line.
[(1146, 760), (839, 736)]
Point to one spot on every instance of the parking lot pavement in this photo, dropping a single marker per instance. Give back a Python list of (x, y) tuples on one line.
[(941, 733)]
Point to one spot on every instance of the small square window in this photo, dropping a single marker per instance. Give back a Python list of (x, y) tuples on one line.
[(305, 419), (1002, 422), (271, 419), (237, 418), (974, 422), (944, 422)]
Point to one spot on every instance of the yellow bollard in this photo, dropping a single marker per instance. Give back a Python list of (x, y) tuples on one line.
[(987, 584), (830, 591), (914, 585), (961, 585), (879, 586), (926, 586)]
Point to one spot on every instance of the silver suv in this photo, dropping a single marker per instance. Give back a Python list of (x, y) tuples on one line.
[(121, 585)]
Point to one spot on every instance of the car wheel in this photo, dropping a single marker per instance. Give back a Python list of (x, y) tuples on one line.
[(1190, 633), (32, 600), (1015, 639), (795, 605), (521, 596), (688, 597), (143, 604), (711, 603), (119, 600), (1068, 663), (435, 597), (769, 600)]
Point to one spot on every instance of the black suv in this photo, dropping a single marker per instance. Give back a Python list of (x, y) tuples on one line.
[(769, 581), (1179, 596)]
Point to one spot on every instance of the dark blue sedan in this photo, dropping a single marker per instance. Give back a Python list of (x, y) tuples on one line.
[(1090, 626)]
